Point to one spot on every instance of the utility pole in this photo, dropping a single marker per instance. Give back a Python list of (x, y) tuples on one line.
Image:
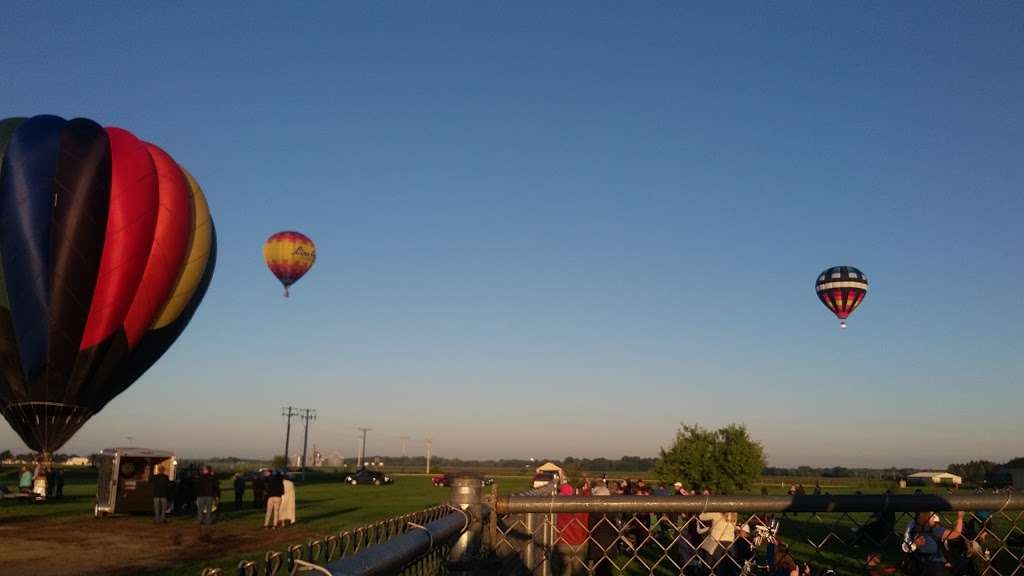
[(307, 414), (288, 412), (362, 450), (404, 439), (429, 443)]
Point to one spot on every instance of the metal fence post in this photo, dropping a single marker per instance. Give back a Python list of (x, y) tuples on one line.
[(466, 497), (529, 548)]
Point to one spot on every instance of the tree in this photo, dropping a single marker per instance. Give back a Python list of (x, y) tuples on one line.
[(723, 460), (975, 471), (279, 462), (6, 455), (1015, 463)]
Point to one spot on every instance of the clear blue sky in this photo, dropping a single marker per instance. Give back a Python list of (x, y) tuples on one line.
[(562, 230)]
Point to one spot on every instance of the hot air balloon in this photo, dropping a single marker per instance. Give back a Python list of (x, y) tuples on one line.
[(289, 255), (841, 289), (106, 250)]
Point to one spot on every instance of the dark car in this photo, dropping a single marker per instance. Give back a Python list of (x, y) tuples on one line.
[(364, 476)]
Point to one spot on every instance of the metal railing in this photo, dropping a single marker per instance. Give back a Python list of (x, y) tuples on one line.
[(539, 533), (746, 535), (347, 544)]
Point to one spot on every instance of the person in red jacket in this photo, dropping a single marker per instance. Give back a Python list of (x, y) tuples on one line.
[(571, 545)]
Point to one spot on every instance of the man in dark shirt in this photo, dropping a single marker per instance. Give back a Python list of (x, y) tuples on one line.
[(275, 489), (159, 482), (60, 484), (259, 487), (239, 485), (207, 490)]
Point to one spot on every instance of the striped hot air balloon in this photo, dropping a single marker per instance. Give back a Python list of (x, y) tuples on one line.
[(841, 289), (106, 250), (289, 255)]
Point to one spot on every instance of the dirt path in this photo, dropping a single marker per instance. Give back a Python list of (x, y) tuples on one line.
[(128, 545)]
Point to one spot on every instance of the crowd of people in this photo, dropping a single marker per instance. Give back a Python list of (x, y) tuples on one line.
[(199, 494), (722, 544), (43, 480)]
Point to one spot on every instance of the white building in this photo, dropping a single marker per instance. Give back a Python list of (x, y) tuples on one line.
[(934, 479)]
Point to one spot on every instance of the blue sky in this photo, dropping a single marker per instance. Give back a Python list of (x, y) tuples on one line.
[(563, 230)]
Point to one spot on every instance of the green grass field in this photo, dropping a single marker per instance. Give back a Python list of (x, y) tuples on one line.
[(326, 506)]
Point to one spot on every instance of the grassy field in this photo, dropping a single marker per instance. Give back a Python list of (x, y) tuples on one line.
[(324, 506)]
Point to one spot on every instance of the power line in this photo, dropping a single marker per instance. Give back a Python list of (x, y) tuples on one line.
[(307, 414), (362, 450), (288, 412), (429, 444)]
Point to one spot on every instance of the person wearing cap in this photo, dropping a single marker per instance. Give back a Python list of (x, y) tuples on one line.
[(923, 540), (742, 549)]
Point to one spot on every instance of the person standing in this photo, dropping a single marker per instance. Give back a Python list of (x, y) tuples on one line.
[(571, 546), (207, 490), (275, 490), (159, 482), (239, 485), (288, 503), (60, 484), (259, 487), (25, 480), (604, 533), (51, 482)]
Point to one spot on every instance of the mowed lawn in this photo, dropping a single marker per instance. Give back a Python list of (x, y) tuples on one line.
[(133, 544)]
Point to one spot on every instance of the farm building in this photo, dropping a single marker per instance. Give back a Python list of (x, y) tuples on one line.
[(934, 478)]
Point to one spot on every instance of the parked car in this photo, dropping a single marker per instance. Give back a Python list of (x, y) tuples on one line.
[(442, 480), (544, 478), (364, 476)]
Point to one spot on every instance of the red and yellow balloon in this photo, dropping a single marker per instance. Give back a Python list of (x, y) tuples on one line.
[(289, 255)]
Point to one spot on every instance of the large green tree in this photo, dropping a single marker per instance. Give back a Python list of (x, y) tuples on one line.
[(723, 460)]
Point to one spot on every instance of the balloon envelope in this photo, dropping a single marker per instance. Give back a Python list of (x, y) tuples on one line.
[(106, 250), (841, 289), (289, 255)]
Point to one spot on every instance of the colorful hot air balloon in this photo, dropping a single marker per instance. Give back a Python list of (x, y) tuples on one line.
[(289, 255), (106, 250), (841, 289)]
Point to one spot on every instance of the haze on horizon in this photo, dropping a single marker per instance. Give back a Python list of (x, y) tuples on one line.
[(562, 230)]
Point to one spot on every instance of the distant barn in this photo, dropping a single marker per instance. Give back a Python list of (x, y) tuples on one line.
[(934, 479)]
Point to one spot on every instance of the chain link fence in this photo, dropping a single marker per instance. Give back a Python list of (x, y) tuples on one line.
[(798, 535), (537, 533)]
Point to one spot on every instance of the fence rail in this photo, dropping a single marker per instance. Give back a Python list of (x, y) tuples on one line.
[(747, 535), (537, 533), (333, 547)]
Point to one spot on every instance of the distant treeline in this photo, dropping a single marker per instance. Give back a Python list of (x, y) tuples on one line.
[(985, 471), (838, 472), (624, 464)]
